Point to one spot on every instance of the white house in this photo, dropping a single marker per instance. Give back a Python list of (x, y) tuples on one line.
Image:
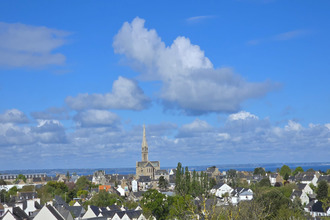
[(220, 189), (8, 216), (48, 212), (92, 212), (241, 194)]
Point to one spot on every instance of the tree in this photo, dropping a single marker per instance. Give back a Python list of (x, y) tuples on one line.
[(21, 177), (82, 194), (259, 170), (328, 171), (264, 183), (156, 203), (322, 190), (83, 183), (162, 183), (285, 170), (104, 198), (2, 182), (27, 188), (298, 170)]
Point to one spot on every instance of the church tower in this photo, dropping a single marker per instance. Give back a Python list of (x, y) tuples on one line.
[(144, 146)]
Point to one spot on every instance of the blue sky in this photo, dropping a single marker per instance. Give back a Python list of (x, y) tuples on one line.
[(215, 82)]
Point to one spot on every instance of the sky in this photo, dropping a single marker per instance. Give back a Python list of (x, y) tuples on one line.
[(214, 82)]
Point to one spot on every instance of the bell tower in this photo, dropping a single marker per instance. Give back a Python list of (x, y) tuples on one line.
[(144, 146)]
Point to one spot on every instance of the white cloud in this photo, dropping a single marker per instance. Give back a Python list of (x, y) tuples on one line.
[(189, 80), (293, 126), (30, 46), (126, 94), (13, 116), (96, 118), (242, 115)]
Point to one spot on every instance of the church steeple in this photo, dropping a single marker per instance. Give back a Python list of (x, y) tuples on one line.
[(144, 146)]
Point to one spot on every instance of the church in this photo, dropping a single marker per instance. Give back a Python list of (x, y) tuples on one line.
[(146, 167)]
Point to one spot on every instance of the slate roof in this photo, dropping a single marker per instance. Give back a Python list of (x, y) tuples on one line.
[(144, 179), (145, 163), (134, 213), (161, 172), (77, 211), (301, 186), (296, 194), (55, 213), (18, 212), (217, 186), (317, 207), (95, 209), (326, 178), (27, 195)]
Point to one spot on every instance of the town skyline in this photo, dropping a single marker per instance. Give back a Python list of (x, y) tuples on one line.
[(214, 83)]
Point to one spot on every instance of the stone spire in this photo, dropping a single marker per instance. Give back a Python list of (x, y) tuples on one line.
[(144, 146)]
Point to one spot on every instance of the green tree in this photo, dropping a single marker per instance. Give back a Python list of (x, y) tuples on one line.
[(21, 177), (82, 194), (322, 190), (178, 180), (162, 183), (187, 181), (83, 183), (155, 203), (285, 170), (298, 170), (328, 171), (28, 188), (264, 183), (181, 207), (259, 170), (104, 198), (2, 182)]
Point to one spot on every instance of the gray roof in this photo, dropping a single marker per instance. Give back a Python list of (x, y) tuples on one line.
[(144, 179), (326, 178), (161, 172)]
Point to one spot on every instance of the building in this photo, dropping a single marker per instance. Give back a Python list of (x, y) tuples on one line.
[(146, 167)]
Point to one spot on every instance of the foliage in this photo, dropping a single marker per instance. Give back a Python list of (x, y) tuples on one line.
[(156, 203), (131, 205), (285, 170), (298, 170), (194, 185), (104, 198), (181, 207), (328, 171), (264, 183), (322, 190), (82, 194), (2, 182), (27, 188), (83, 183), (259, 170), (21, 177), (162, 183)]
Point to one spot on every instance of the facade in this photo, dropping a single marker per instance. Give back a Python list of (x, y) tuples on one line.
[(146, 167)]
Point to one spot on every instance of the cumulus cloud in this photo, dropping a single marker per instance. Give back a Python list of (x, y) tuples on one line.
[(30, 46), (126, 94), (190, 82), (13, 116), (96, 118)]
